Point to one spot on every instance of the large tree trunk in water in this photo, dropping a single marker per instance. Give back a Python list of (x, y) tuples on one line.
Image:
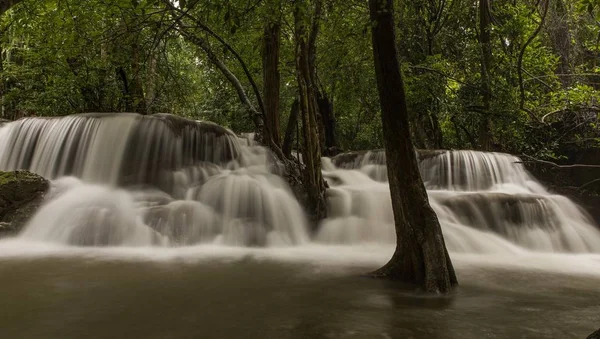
[(485, 127), (311, 152), (421, 257), (271, 77)]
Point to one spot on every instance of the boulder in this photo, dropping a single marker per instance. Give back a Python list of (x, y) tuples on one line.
[(21, 193), (595, 335), (580, 184)]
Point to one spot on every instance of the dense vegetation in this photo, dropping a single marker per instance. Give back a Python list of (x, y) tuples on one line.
[(517, 76)]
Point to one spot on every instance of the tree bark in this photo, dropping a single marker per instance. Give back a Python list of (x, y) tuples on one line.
[(485, 22), (311, 152), (288, 140), (271, 75), (325, 117), (137, 88), (122, 75), (420, 257), (328, 122)]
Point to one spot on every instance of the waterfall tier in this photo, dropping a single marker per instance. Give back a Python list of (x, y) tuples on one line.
[(486, 202), (132, 180)]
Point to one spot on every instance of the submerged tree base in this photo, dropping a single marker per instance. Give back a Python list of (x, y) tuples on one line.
[(401, 269)]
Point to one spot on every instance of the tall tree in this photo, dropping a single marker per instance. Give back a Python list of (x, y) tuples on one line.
[(420, 257), (311, 152), (271, 75), (485, 39)]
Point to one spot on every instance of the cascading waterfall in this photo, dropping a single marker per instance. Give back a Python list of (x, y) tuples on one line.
[(161, 180), (486, 202), (131, 180)]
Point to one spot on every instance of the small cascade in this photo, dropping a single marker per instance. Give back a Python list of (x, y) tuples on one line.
[(486, 202), (113, 148), (372, 163), (159, 180)]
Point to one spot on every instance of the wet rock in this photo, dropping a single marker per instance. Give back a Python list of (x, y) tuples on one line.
[(595, 335), (580, 184), (184, 222), (21, 194)]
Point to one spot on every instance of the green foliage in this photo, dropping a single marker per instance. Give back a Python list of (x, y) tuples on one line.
[(63, 57)]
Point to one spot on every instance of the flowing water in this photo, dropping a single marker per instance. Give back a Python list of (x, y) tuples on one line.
[(163, 227)]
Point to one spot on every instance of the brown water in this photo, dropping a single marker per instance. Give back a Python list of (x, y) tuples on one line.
[(254, 294)]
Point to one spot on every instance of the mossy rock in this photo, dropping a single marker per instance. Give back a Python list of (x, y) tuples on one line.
[(21, 193)]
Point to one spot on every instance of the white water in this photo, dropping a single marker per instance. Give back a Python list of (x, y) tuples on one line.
[(163, 182), (486, 203), (150, 181)]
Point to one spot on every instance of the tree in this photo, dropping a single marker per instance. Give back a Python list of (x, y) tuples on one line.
[(485, 28), (420, 257), (271, 76), (308, 107)]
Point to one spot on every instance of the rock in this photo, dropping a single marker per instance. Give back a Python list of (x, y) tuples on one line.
[(21, 193), (595, 335), (580, 184)]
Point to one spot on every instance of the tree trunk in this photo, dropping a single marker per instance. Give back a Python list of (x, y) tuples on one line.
[(485, 127), (137, 88), (151, 76), (328, 122), (311, 152), (288, 141), (122, 76), (520, 62), (271, 76), (421, 257)]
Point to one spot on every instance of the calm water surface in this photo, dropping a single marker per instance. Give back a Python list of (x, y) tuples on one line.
[(101, 294)]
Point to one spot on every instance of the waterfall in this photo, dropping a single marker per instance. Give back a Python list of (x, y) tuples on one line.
[(160, 180), (486, 202), (164, 181)]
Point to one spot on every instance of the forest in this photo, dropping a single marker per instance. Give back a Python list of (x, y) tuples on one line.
[(300, 168), (514, 76)]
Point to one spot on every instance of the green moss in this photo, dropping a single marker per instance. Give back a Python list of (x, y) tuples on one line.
[(22, 176), (6, 177)]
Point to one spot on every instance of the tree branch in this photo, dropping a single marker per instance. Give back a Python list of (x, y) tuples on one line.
[(553, 164), (207, 29), (520, 62)]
